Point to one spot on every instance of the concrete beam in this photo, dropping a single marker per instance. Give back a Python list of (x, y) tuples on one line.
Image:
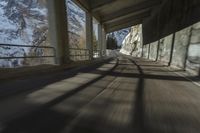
[(97, 5), (128, 17), (58, 29), (84, 4), (119, 26), (141, 6)]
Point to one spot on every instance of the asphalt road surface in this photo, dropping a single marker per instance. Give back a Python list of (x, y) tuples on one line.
[(125, 95)]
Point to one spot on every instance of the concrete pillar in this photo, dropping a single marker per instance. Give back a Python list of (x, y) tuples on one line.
[(158, 49), (141, 41), (149, 48), (89, 34), (172, 49), (58, 30), (187, 48), (142, 51), (100, 39), (104, 42)]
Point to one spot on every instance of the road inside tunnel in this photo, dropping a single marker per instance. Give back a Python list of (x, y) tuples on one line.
[(124, 95)]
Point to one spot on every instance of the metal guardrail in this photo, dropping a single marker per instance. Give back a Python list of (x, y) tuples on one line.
[(75, 53), (79, 54), (28, 46), (96, 53)]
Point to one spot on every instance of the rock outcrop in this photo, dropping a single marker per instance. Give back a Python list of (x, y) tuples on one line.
[(132, 43), (185, 54)]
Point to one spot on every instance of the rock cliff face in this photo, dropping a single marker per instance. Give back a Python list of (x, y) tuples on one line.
[(132, 43), (185, 55), (120, 35)]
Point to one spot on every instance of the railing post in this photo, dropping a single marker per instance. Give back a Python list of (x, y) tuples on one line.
[(58, 28), (89, 34)]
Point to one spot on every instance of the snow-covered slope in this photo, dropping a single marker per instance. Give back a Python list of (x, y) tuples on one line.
[(25, 22), (22, 22), (76, 18), (19, 21), (76, 25)]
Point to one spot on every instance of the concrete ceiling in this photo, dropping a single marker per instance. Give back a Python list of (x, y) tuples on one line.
[(119, 14)]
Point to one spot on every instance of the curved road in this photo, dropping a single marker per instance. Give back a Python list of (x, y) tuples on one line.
[(125, 95)]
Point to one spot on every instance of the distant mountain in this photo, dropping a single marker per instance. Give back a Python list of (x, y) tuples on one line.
[(120, 35)]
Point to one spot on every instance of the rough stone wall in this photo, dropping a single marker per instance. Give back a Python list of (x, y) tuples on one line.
[(145, 51), (132, 44), (186, 51), (185, 54), (153, 51), (165, 47), (181, 44), (193, 57)]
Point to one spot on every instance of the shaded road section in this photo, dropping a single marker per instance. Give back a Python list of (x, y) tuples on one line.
[(125, 95)]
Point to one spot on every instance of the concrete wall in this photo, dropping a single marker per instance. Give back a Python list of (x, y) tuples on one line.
[(165, 47), (186, 50), (180, 47)]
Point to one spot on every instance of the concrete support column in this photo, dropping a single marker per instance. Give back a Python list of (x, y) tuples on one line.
[(158, 50), (100, 39), (172, 49), (89, 34), (142, 55), (187, 48), (104, 42), (141, 42), (149, 50), (58, 30)]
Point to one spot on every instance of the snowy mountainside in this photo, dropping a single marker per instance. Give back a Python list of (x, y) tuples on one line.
[(120, 35), (76, 25), (22, 22), (25, 22)]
